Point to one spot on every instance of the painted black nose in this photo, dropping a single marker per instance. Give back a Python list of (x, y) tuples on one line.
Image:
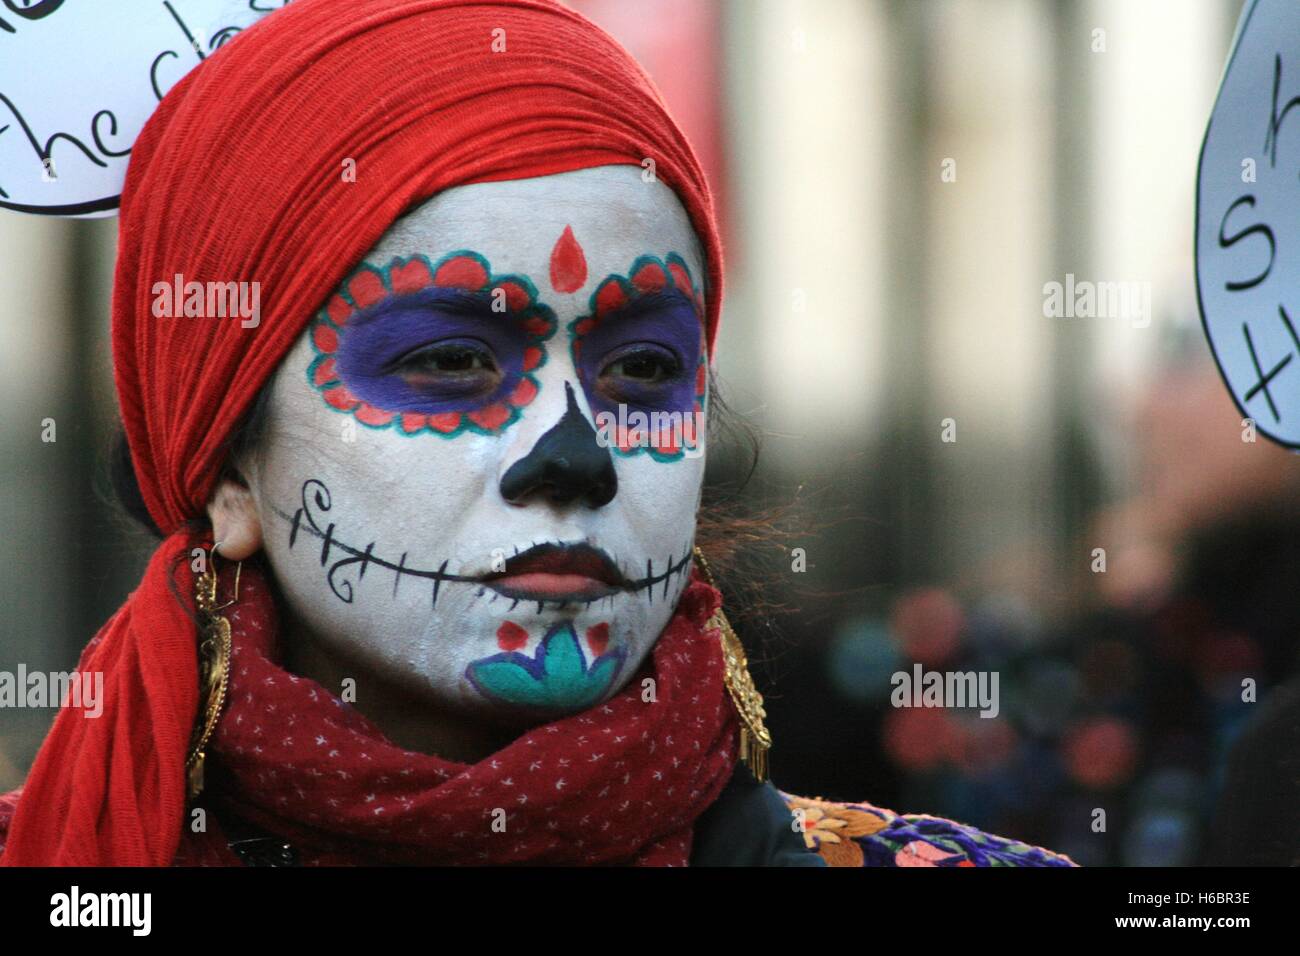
[(567, 464)]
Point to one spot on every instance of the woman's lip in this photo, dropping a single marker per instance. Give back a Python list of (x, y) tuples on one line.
[(553, 571), (547, 586)]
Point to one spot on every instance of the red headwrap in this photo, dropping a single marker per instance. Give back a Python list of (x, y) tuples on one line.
[(238, 177)]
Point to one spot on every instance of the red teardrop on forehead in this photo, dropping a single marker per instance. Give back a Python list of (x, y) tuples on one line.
[(568, 263)]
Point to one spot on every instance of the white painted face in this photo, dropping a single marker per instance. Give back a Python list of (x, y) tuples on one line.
[(441, 488)]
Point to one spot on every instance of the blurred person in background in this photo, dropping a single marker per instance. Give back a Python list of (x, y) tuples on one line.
[(1125, 680)]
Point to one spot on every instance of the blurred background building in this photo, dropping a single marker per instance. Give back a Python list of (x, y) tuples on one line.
[(899, 181)]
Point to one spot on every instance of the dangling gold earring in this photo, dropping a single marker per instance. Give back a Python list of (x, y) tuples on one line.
[(214, 666), (755, 739)]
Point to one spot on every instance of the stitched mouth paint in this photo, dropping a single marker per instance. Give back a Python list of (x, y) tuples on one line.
[(533, 571)]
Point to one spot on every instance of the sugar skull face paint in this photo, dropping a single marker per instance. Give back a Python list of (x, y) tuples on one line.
[(477, 541)]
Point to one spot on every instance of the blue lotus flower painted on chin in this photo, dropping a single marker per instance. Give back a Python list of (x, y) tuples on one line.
[(556, 677)]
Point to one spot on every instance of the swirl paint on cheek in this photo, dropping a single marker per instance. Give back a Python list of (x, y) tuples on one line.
[(557, 677), (674, 321), (401, 288)]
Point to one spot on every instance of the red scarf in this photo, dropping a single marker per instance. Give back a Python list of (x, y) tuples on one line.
[(622, 782), (619, 783)]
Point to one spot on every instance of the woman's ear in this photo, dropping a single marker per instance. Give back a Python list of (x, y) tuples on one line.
[(235, 524)]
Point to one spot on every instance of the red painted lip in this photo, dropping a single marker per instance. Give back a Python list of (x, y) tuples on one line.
[(558, 572)]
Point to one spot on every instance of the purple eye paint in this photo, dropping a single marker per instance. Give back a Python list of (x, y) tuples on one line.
[(384, 340), (639, 352), (380, 342), (660, 331)]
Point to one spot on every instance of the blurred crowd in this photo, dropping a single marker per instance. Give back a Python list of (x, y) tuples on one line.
[(1122, 690)]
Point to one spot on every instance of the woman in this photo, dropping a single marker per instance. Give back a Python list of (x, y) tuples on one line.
[(429, 503)]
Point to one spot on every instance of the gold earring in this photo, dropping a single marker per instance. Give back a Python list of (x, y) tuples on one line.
[(214, 666), (755, 739)]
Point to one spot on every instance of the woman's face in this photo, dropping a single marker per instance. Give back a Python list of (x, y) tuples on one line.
[(484, 455)]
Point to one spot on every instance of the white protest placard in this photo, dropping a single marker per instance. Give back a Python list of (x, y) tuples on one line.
[(1248, 220), (78, 79)]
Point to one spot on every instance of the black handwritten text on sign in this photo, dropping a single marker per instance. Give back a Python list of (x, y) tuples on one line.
[(78, 80), (1248, 221)]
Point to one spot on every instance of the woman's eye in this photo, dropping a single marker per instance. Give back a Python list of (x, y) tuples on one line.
[(452, 360), (643, 367), (458, 365)]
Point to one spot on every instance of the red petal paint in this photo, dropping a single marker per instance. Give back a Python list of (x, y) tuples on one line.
[(325, 372), (341, 398), (369, 415), (681, 278), (366, 288), (537, 325), (523, 393), (568, 263), (650, 278), (598, 638), (461, 272), (516, 296), (610, 296), (338, 309), (492, 417), (511, 637), (410, 277), (326, 339), (444, 421)]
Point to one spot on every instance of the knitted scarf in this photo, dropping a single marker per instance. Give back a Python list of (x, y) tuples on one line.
[(621, 782)]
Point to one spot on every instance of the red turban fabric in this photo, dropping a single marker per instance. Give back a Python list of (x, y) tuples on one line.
[(238, 177)]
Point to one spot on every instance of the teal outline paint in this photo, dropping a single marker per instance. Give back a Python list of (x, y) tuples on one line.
[(535, 306)]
